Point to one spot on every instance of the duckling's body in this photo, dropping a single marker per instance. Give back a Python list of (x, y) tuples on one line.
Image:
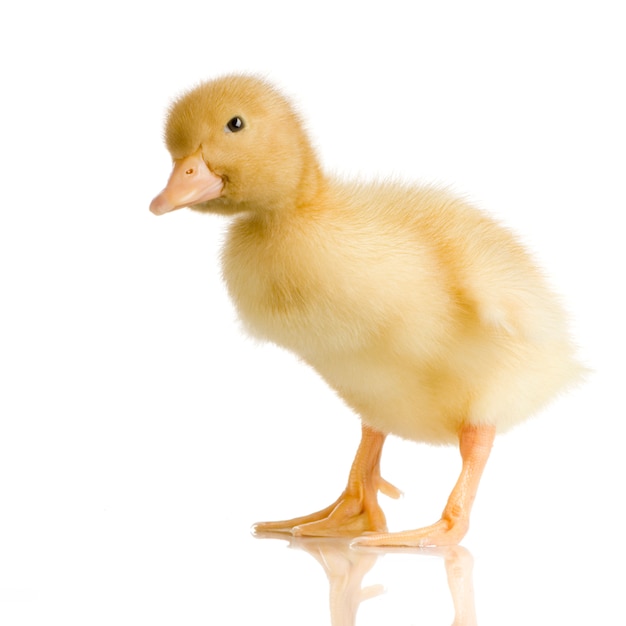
[(423, 314), (420, 312)]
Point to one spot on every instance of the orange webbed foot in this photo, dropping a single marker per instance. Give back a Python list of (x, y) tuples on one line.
[(346, 518), (351, 515), (442, 533), (356, 511)]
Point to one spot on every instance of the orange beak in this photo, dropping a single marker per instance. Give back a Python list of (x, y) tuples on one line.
[(190, 182)]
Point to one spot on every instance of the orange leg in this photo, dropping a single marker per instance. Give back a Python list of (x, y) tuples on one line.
[(475, 445), (356, 511)]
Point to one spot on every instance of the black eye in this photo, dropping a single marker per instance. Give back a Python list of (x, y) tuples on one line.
[(235, 125)]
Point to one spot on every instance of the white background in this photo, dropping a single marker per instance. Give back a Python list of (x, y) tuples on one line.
[(141, 433)]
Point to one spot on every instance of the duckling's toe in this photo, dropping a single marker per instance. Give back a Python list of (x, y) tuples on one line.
[(349, 516), (442, 533), (287, 526)]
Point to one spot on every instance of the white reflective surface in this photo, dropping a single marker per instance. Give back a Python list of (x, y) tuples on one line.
[(141, 434)]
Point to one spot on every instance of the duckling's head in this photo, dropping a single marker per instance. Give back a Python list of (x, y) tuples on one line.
[(237, 144)]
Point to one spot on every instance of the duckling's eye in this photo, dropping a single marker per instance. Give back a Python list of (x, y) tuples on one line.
[(234, 125)]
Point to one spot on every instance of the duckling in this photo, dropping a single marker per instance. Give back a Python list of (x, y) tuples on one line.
[(426, 316)]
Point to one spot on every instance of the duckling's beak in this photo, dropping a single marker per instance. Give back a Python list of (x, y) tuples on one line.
[(190, 182)]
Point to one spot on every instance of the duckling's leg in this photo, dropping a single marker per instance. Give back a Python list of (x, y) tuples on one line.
[(356, 511), (475, 445)]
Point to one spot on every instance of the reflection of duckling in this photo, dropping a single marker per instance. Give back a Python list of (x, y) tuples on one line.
[(345, 569), (425, 316)]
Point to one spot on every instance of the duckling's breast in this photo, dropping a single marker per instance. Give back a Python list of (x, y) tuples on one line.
[(318, 289)]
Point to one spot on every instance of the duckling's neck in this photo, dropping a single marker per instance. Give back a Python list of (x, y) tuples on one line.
[(301, 196)]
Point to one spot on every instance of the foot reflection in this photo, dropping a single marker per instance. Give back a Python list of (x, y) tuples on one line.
[(459, 567), (346, 567)]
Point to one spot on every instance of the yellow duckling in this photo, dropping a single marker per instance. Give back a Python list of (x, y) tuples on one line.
[(427, 317)]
